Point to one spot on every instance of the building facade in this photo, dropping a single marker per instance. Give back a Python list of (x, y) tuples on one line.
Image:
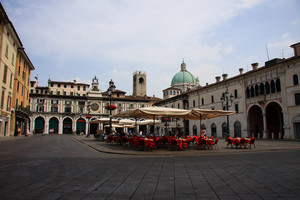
[(266, 100), (20, 100), (9, 45), (67, 107)]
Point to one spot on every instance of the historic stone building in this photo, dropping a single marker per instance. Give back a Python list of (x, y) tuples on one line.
[(67, 107), (15, 70), (266, 100)]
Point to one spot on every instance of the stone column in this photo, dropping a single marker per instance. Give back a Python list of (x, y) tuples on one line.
[(265, 130)]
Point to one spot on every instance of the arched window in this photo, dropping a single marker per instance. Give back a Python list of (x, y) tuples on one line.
[(272, 86), (256, 90), (224, 130), (278, 85), (252, 91), (195, 130), (247, 92), (262, 89), (213, 130), (237, 129), (267, 87), (295, 79)]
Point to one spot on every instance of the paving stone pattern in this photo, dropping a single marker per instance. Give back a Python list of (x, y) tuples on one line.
[(59, 167)]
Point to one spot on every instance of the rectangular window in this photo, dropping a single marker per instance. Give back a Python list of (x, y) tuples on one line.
[(5, 74), (67, 109), (81, 103), (65, 86), (58, 85), (31, 91), (72, 86), (13, 59), (8, 103), (58, 93), (194, 103), (212, 99), (178, 106), (202, 101), (22, 90), (54, 109), (2, 99), (65, 93), (236, 108), (36, 91), (68, 102), (297, 99), (78, 87), (11, 79), (51, 92), (83, 88), (51, 84), (54, 101), (18, 86), (6, 50), (71, 93)]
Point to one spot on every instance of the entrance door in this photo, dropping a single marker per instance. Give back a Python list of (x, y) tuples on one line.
[(39, 125), (67, 126), (53, 125), (274, 120)]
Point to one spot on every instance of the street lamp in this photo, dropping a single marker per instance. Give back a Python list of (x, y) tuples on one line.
[(89, 117), (225, 99), (111, 89)]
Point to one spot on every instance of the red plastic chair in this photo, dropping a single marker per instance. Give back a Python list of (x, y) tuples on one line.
[(229, 142), (215, 143)]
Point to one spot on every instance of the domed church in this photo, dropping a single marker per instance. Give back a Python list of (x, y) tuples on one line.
[(181, 82)]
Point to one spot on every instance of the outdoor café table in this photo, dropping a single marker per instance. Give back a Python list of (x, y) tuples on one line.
[(181, 143)]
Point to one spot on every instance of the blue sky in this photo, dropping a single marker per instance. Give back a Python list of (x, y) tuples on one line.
[(75, 39)]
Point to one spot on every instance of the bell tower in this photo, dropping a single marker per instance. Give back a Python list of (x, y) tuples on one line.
[(139, 83)]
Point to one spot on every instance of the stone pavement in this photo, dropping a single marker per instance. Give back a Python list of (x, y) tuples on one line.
[(67, 167), (260, 144)]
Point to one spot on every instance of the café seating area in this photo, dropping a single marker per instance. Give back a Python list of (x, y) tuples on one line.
[(240, 142), (171, 143)]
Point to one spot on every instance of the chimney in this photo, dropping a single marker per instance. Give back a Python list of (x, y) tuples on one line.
[(224, 76), (74, 80), (206, 84), (296, 48), (218, 78), (254, 66), (241, 70)]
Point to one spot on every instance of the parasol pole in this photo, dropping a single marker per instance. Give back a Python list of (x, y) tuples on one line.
[(200, 125), (154, 125), (136, 126)]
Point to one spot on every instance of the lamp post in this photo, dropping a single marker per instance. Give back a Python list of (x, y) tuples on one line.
[(226, 104), (89, 117), (111, 89)]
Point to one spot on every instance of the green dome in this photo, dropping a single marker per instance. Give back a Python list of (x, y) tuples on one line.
[(183, 76)]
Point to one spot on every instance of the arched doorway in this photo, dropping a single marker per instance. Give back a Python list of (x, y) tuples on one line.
[(39, 125), (237, 129), (255, 120), (274, 120), (224, 130), (53, 125), (195, 130), (67, 126), (80, 126), (214, 130)]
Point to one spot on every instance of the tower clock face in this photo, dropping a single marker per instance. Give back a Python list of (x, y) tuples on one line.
[(95, 106)]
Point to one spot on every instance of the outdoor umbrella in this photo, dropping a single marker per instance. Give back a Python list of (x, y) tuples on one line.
[(200, 114), (153, 112)]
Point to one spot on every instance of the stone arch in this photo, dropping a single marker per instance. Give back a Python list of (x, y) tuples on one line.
[(262, 89), (80, 125), (224, 130), (267, 86), (273, 87), (278, 85), (255, 121), (213, 129), (39, 125), (237, 129), (67, 125), (274, 119), (53, 125)]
